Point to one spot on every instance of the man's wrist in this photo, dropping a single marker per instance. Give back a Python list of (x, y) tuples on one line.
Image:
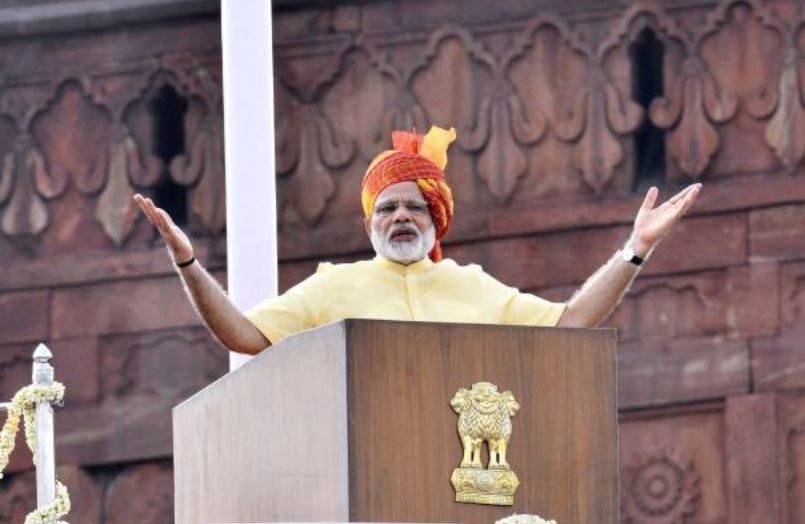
[(628, 255), (635, 251), (640, 248), (181, 264)]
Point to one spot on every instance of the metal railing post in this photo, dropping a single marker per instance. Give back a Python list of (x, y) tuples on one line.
[(45, 460)]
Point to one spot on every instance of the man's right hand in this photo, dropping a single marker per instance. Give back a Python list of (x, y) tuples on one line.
[(176, 240), (223, 319)]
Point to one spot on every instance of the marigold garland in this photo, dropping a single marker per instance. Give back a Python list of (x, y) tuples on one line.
[(524, 518), (23, 406)]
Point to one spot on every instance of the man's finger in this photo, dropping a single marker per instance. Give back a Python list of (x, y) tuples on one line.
[(690, 199), (165, 219), (682, 194), (144, 207), (154, 216), (140, 201), (651, 198), (151, 211), (681, 206)]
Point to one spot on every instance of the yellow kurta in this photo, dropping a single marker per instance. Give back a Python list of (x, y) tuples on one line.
[(381, 289)]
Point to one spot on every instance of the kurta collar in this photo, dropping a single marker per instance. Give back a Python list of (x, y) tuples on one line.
[(416, 267)]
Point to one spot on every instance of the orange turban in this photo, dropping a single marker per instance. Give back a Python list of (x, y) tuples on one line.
[(420, 159)]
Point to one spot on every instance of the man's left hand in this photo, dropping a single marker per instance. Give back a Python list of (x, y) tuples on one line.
[(653, 223)]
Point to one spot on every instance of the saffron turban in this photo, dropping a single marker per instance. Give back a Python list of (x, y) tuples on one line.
[(420, 159)]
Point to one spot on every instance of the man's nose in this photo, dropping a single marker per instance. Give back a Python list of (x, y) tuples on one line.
[(401, 214)]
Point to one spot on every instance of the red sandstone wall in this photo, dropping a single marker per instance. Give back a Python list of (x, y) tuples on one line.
[(81, 271), (711, 373)]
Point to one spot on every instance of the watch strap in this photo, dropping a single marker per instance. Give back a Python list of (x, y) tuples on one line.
[(629, 255)]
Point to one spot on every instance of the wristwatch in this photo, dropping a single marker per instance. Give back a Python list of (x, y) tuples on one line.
[(628, 255)]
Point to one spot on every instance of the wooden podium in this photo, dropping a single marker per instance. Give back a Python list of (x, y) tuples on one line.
[(352, 422)]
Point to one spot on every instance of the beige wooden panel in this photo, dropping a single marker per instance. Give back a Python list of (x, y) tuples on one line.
[(268, 442), (403, 437)]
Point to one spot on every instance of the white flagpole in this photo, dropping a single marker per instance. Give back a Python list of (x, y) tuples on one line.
[(251, 215)]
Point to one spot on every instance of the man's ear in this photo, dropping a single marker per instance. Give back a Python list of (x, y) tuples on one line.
[(367, 225)]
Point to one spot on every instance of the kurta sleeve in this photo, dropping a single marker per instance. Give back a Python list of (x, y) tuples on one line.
[(516, 307), (296, 310), (530, 310)]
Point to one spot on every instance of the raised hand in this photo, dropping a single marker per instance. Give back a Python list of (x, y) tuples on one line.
[(176, 240), (653, 223)]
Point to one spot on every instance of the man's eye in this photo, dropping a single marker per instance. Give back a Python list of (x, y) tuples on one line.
[(417, 207), (385, 210)]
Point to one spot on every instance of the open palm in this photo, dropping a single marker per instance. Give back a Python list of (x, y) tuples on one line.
[(178, 244), (653, 223)]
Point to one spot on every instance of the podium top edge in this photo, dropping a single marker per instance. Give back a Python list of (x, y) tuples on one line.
[(345, 324), (468, 325)]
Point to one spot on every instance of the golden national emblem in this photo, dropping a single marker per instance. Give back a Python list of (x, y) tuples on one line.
[(484, 415)]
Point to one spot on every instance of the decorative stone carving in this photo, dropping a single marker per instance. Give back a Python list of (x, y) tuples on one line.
[(24, 172), (25, 213), (69, 130), (447, 74), (115, 212), (536, 102), (201, 166), (659, 488), (788, 120), (500, 125), (134, 162), (309, 145), (386, 101), (693, 104), (316, 148), (113, 89), (589, 109), (779, 96)]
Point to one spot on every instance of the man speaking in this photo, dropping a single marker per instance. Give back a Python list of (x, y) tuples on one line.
[(408, 208)]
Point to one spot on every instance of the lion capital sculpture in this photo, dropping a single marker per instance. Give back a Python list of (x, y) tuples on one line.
[(484, 414)]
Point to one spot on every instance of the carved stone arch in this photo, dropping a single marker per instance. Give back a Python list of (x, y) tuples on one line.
[(200, 164), (741, 47), (22, 99), (577, 97), (548, 67), (307, 70), (634, 21), (473, 46), (311, 147), (455, 80), (548, 101), (430, 86), (25, 179), (769, 37), (367, 100), (134, 157), (138, 119), (363, 104), (197, 77), (780, 96), (71, 131), (705, 90), (632, 85), (26, 213)]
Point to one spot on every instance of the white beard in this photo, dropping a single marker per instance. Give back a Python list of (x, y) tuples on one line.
[(404, 252)]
